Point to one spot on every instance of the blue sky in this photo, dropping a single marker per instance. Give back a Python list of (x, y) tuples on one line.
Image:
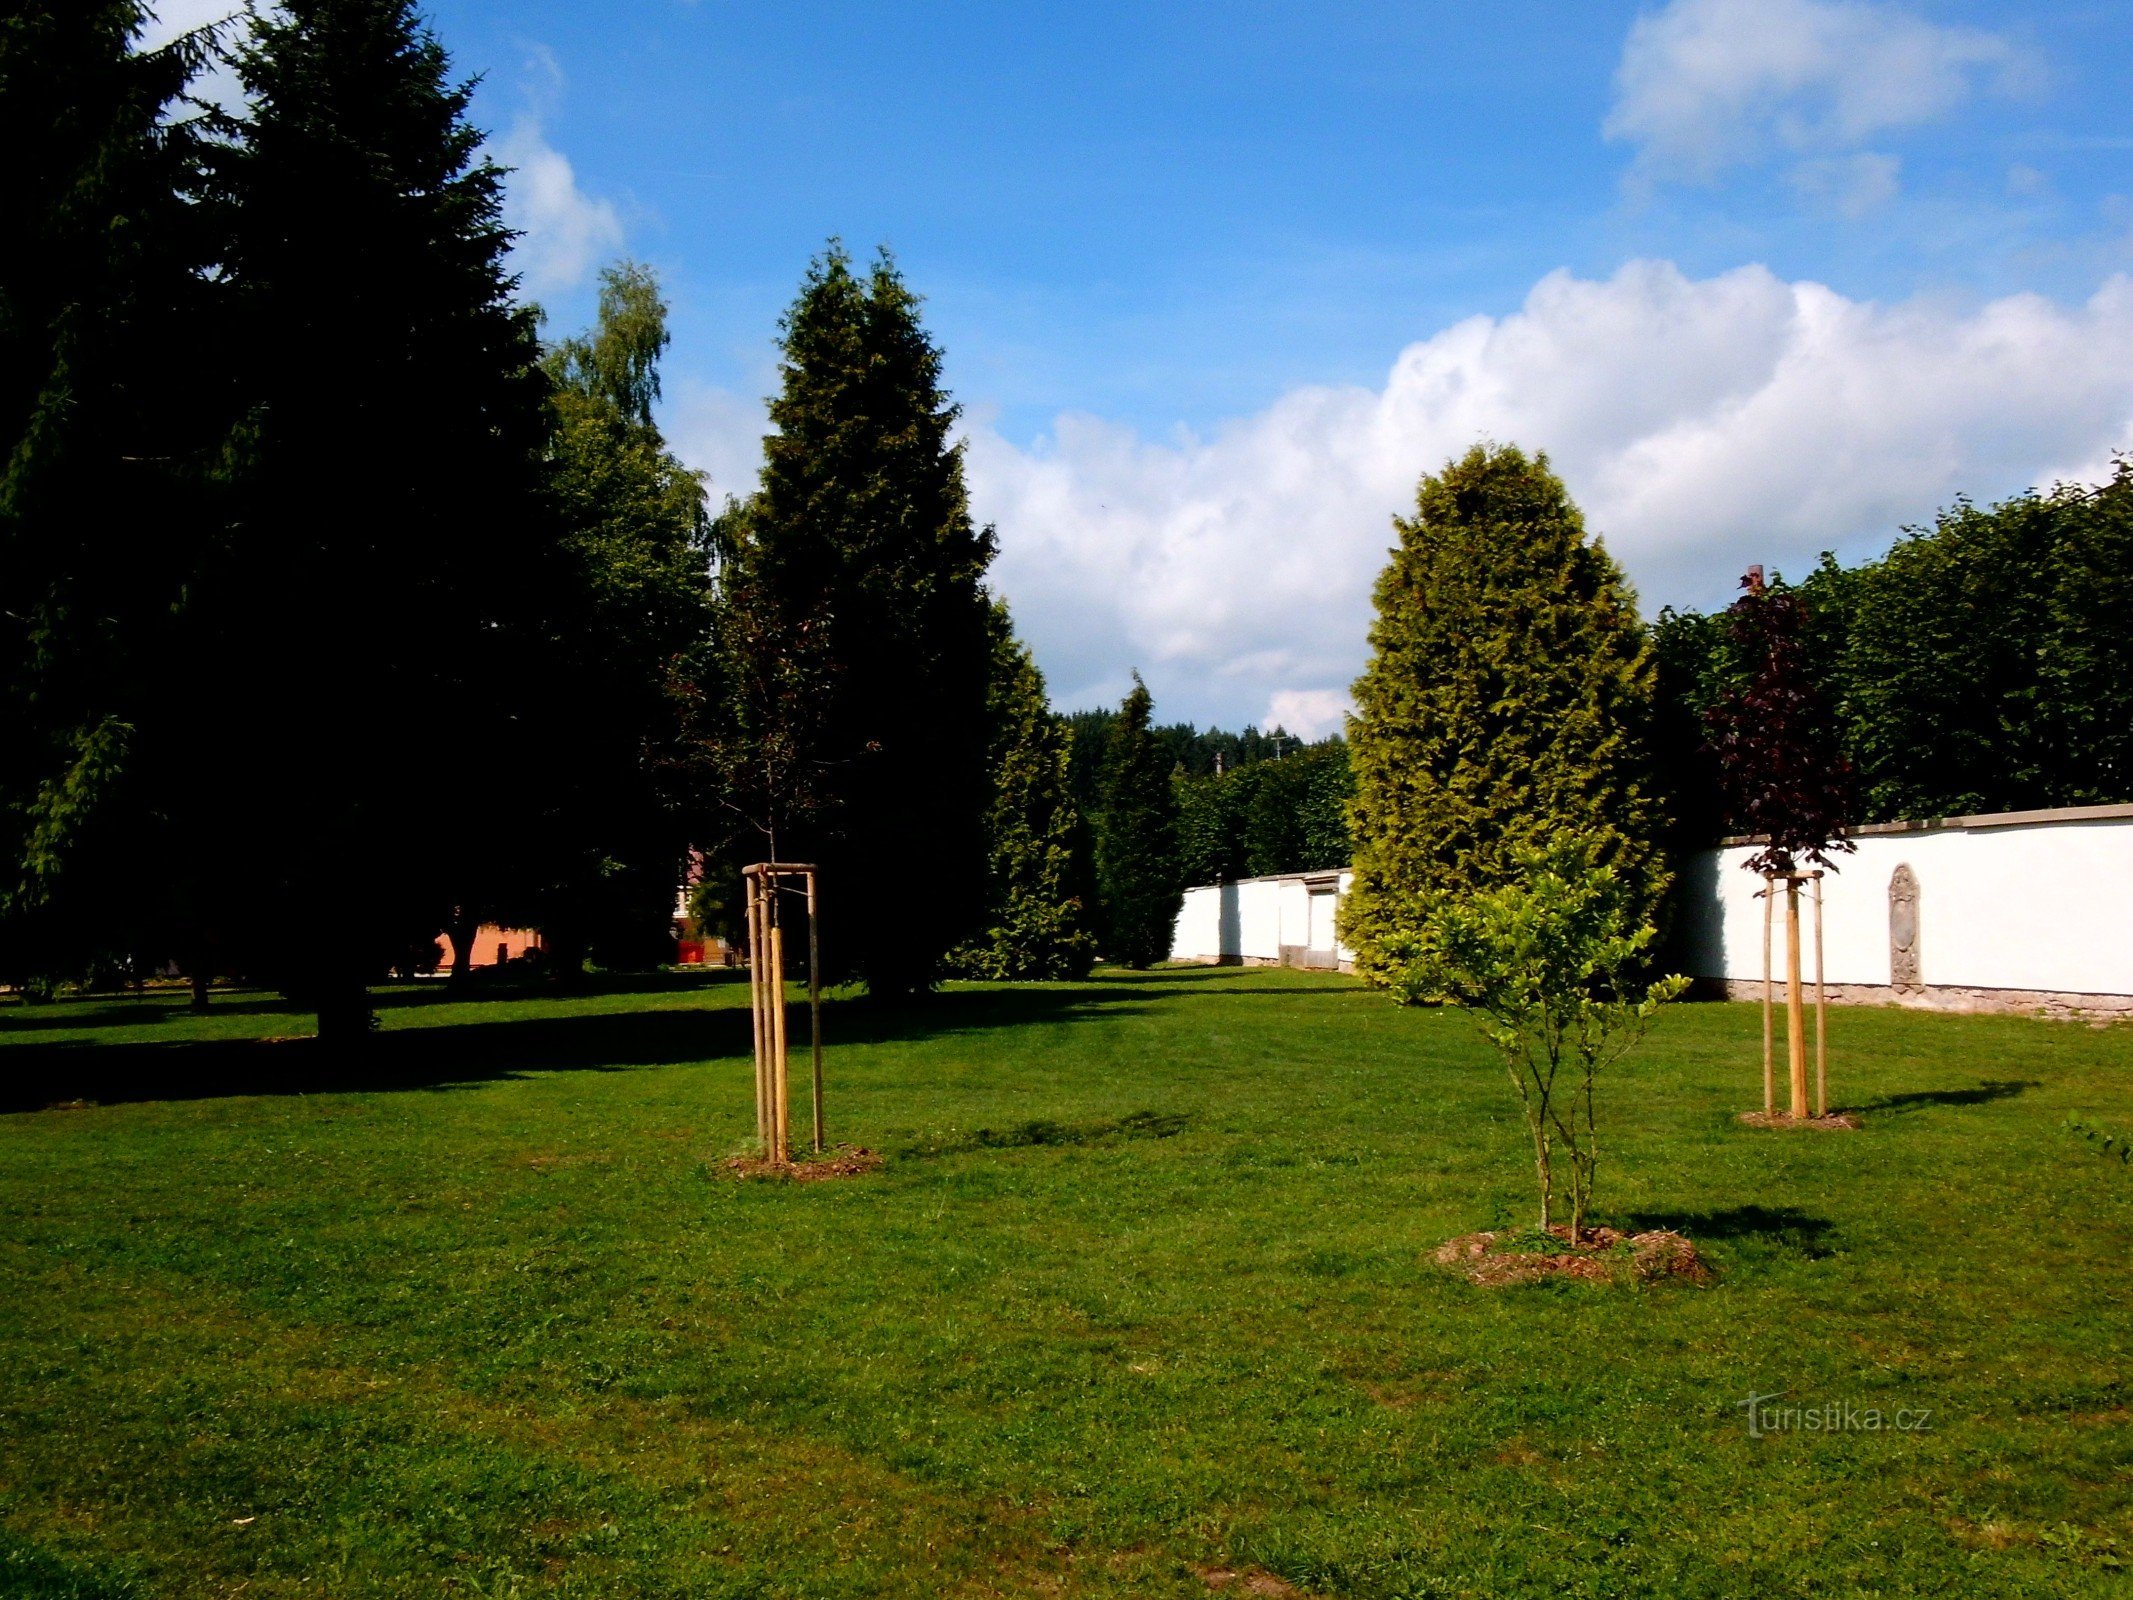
[(1217, 283)]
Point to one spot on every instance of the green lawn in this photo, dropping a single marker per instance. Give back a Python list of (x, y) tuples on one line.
[(485, 1318)]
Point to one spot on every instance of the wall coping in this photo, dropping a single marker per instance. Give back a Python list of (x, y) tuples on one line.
[(1994, 819)]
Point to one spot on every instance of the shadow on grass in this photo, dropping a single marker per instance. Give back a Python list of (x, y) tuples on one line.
[(1043, 1133), (1985, 1093), (1782, 1227), (425, 1055), (131, 1011)]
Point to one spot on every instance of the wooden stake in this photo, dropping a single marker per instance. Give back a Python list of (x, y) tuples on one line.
[(1769, 1069), (814, 1003), (1821, 1014), (1795, 1016), (755, 1014), (783, 1125)]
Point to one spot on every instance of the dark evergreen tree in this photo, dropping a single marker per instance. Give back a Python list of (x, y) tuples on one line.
[(384, 603), (855, 637), (636, 527), (1137, 862), (1036, 925), (102, 463), (1508, 698)]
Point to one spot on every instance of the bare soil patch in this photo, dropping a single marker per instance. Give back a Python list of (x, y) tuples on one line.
[(1833, 1122), (845, 1161), (1264, 1584), (1603, 1255)]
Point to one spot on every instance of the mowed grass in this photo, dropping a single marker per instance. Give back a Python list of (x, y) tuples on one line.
[(1143, 1292)]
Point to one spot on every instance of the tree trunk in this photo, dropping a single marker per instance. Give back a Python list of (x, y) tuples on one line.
[(344, 1015), (461, 931), (203, 979)]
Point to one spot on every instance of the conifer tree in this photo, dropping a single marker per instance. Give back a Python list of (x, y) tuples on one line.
[(1035, 925), (384, 601), (102, 300), (1506, 700), (855, 637), (1137, 861)]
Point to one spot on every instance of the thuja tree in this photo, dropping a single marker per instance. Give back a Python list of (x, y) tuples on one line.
[(1507, 700), (1036, 925), (1546, 962), (846, 706), (1137, 863)]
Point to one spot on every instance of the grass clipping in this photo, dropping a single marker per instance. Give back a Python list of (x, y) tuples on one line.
[(1603, 1255)]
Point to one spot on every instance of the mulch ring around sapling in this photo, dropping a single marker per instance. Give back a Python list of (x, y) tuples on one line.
[(845, 1161), (1603, 1255), (1828, 1122)]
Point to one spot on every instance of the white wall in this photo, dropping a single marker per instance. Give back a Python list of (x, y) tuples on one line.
[(2037, 901), (1251, 921)]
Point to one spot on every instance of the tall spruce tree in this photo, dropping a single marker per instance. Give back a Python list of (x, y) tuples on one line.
[(102, 515), (855, 637), (638, 534), (1138, 866), (1036, 925), (382, 605), (1507, 699)]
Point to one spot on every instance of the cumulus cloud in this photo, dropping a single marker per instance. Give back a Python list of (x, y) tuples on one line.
[(563, 231), (1701, 424), (1308, 713), (1708, 84)]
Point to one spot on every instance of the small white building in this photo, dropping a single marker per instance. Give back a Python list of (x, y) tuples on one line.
[(2023, 911), (1284, 921)]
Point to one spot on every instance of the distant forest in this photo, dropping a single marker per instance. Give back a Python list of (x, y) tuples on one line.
[(1250, 804)]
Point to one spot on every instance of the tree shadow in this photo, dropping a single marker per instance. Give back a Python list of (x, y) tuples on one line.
[(436, 1055), (1044, 1133), (1987, 1091), (1782, 1227)]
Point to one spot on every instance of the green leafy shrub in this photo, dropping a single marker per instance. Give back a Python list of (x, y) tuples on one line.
[(1545, 962)]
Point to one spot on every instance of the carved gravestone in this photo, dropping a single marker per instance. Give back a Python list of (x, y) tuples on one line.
[(1903, 931)]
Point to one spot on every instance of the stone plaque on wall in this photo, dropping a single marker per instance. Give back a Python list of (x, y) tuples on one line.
[(1903, 931)]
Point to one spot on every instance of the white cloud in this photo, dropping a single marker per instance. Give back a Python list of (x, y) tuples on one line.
[(563, 231), (1853, 185), (1308, 713), (1708, 84), (1702, 424), (170, 18), (718, 432)]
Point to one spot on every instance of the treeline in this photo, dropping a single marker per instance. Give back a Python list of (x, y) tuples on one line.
[(1984, 664), (342, 610), (338, 610)]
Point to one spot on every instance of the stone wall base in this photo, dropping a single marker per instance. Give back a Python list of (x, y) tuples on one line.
[(1941, 997)]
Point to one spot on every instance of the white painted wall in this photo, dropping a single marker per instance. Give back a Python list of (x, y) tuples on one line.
[(2041, 903), (1252, 920)]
